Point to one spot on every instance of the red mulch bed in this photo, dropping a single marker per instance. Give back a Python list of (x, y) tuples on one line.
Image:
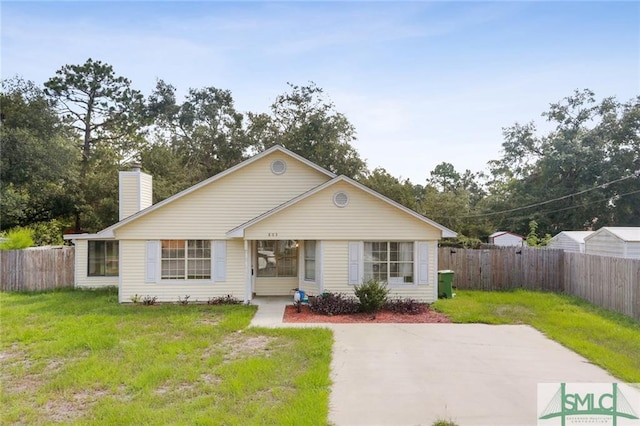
[(428, 316)]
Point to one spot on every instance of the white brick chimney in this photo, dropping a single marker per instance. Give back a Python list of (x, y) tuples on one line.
[(136, 191)]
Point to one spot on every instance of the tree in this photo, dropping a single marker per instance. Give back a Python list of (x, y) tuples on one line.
[(401, 192), (38, 159), (306, 122), (107, 115), (205, 131), (587, 165)]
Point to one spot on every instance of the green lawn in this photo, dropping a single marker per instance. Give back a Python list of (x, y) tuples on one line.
[(607, 339), (80, 357)]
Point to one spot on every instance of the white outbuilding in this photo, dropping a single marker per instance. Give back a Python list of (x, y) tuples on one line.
[(506, 239), (614, 242), (569, 241)]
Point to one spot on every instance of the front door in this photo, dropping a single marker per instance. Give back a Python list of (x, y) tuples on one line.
[(275, 267)]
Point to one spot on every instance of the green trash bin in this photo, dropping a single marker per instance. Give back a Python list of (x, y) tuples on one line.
[(445, 283)]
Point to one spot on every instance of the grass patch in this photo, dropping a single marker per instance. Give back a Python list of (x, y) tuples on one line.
[(607, 339), (79, 357)]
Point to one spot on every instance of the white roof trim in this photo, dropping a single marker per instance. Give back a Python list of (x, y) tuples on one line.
[(220, 175), (98, 236), (626, 234), (238, 231)]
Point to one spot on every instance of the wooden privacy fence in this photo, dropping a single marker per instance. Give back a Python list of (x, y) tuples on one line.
[(37, 269), (610, 282), (504, 268)]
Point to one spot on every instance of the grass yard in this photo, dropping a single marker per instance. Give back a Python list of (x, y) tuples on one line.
[(80, 357), (607, 339)]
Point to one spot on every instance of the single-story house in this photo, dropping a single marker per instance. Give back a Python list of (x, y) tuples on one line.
[(569, 241), (506, 239), (270, 224), (614, 242)]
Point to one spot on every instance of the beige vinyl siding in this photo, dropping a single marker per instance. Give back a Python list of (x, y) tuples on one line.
[(209, 212), (133, 269), (336, 273), (146, 190), (364, 218), (275, 286), (129, 201), (82, 280), (633, 250)]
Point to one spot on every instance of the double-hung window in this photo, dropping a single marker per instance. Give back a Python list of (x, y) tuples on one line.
[(186, 260), (103, 259), (389, 262)]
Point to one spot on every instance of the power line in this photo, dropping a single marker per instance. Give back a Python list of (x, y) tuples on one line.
[(604, 185), (580, 205)]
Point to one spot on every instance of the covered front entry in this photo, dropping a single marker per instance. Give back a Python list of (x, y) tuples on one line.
[(275, 267)]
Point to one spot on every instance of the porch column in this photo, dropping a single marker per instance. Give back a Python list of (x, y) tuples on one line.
[(247, 272)]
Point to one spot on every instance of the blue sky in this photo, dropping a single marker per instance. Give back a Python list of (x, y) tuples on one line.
[(423, 82)]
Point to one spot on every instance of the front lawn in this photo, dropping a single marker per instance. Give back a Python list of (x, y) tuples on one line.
[(80, 357), (607, 339)]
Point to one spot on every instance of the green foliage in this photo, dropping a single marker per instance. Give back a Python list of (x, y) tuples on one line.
[(444, 422), (306, 122), (48, 233), (372, 295), (607, 339), (37, 159), (333, 304), (532, 237), (197, 364), (17, 238)]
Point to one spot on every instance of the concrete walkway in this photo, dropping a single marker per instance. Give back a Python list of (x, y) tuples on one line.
[(413, 374)]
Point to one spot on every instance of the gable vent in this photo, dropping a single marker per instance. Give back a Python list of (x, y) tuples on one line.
[(278, 167), (340, 199)]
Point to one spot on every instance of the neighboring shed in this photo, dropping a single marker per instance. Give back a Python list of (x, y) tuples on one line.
[(569, 241), (506, 239), (614, 242)]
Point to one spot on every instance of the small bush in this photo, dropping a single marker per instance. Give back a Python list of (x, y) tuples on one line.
[(372, 295), (148, 300), (333, 304), (17, 238), (224, 300), (405, 306), (184, 301)]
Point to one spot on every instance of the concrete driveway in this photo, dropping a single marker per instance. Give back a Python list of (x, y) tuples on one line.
[(475, 374), (414, 374)]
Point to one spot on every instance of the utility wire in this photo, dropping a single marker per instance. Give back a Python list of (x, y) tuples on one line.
[(577, 206), (604, 185)]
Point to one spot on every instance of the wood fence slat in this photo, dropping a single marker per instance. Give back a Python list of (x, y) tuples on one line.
[(36, 270)]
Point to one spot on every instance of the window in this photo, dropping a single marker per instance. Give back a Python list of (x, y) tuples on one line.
[(103, 259), (310, 260), (277, 258), (186, 259), (389, 262)]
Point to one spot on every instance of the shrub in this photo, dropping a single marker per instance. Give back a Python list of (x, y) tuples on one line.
[(224, 300), (148, 300), (48, 233), (184, 301), (333, 304), (372, 295), (17, 238), (405, 306)]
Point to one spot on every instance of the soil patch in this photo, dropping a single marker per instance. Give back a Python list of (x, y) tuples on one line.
[(428, 316)]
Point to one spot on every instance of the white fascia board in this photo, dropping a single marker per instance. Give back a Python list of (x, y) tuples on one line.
[(98, 236)]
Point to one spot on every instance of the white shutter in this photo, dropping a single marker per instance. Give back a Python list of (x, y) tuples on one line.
[(319, 265), (423, 263), (220, 260), (355, 262), (151, 275)]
